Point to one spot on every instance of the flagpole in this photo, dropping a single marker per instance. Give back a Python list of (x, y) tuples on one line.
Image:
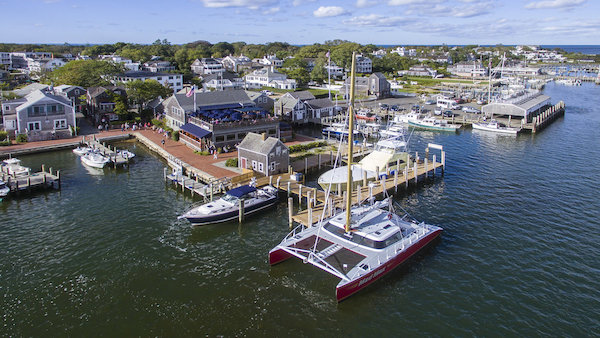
[(329, 74), (194, 89)]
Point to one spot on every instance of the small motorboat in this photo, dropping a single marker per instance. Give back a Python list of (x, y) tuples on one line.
[(95, 160), (227, 207), (4, 190), (496, 127), (13, 167), (82, 150), (126, 154)]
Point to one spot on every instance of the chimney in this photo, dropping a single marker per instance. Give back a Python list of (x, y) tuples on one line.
[(264, 136)]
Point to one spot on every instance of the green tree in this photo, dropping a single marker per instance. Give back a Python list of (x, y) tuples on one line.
[(222, 49), (85, 73), (301, 75), (141, 92), (319, 73), (121, 107)]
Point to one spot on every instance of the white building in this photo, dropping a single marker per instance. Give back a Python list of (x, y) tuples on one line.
[(158, 66), (236, 63), (266, 77), (404, 52), (43, 65), (130, 65), (363, 64), (207, 66), (174, 81), (271, 60)]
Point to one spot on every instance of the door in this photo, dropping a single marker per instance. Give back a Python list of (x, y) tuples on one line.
[(243, 164)]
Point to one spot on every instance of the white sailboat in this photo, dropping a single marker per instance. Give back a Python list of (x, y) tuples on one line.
[(360, 244)]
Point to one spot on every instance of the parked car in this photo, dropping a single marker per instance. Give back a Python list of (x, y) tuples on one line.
[(267, 92), (448, 113), (459, 100), (438, 111), (384, 106), (469, 109), (480, 102), (395, 108), (430, 102)]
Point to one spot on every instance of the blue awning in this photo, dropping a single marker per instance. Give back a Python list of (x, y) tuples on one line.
[(195, 130), (241, 191)]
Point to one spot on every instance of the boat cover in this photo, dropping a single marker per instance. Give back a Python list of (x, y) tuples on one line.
[(241, 191)]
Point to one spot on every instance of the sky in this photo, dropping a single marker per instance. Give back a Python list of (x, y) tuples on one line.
[(380, 22)]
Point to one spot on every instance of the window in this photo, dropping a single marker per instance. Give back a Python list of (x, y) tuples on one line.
[(34, 126), (260, 167), (6, 107), (60, 124), (272, 166), (254, 164), (220, 138)]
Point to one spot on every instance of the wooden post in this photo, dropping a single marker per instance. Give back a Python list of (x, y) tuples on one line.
[(290, 211), (300, 195), (50, 171), (434, 165), (319, 158), (406, 175), (58, 177), (305, 165), (397, 164), (241, 211), (310, 219), (364, 177), (165, 173), (45, 180), (210, 186), (396, 181), (426, 167), (339, 189), (331, 157), (308, 200), (358, 194), (43, 168), (387, 169), (415, 171), (377, 173), (271, 180), (278, 180), (289, 188), (443, 162), (28, 184), (344, 198), (370, 194)]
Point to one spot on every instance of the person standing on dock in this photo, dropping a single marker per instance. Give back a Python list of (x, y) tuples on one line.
[(162, 142)]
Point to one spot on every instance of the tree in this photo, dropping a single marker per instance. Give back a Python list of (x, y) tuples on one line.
[(222, 49), (85, 73), (301, 75), (141, 92), (319, 73), (342, 54), (121, 107)]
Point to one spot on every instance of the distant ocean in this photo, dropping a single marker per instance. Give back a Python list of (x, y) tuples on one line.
[(584, 49)]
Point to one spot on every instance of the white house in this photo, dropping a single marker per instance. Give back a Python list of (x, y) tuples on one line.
[(271, 60), (130, 65), (221, 81), (43, 65), (174, 81), (236, 63), (266, 77), (363, 64), (207, 66)]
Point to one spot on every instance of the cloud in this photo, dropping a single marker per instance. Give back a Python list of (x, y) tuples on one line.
[(376, 20), (297, 3), (410, 2), (554, 4), (272, 10), (328, 11), (474, 8), (365, 3), (251, 4)]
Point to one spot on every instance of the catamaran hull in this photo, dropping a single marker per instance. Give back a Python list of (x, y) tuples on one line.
[(279, 255), (344, 291), (231, 215)]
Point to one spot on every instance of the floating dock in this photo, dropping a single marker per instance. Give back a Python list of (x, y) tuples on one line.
[(106, 150), (36, 181)]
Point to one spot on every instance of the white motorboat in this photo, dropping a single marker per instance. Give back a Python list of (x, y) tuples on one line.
[(82, 150), (338, 130), (360, 244), (434, 124), (496, 127), (392, 130), (126, 154), (95, 160), (406, 118), (227, 207), (13, 167), (4, 190)]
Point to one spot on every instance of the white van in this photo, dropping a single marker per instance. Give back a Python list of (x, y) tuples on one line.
[(446, 103)]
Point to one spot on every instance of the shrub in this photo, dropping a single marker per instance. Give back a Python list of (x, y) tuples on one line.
[(21, 138), (5, 143), (232, 162), (202, 153), (3, 135), (175, 136), (306, 146)]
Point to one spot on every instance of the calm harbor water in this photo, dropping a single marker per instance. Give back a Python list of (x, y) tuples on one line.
[(519, 254)]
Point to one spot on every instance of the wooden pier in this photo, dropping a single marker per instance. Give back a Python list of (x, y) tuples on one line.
[(194, 186), (35, 181), (106, 150), (543, 119), (316, 200)]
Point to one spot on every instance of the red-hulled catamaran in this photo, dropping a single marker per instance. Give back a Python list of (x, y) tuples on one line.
[(362, 243)]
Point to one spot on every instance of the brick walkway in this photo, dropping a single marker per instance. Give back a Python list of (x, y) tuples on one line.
[(177, 149)]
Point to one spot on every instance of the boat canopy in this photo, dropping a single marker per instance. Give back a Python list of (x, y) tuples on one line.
[(241, 191)]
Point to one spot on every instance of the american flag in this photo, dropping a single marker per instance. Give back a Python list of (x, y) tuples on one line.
[(191, 92), (327, 55)]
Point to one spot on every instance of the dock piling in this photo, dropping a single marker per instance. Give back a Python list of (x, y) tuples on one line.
[(241, 211), (290, 211), (433, 165)]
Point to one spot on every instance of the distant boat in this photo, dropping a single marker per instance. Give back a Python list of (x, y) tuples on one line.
[(227, 208), (126, 154), (13, 167), (496, 127), (569, 82), (367, 115), (95, 160), (338, 130), (434, 124), (406, 118)]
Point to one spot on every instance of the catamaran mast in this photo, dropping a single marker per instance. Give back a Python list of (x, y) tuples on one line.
[(350, 143)]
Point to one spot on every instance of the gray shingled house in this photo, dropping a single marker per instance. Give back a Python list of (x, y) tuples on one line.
[(266, 155)]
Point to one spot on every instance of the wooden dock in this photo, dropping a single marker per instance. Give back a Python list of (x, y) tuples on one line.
[(194, 186), (315, 200), (106, 150), (35, 181)]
